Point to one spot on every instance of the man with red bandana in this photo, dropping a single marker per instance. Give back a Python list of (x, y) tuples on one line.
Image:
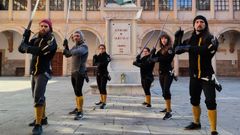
[(42, 46)]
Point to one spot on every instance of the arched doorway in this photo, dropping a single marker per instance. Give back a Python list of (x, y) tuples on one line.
[(152, 43), (228, 54), (57, 62), (11, 61), (92, 41)]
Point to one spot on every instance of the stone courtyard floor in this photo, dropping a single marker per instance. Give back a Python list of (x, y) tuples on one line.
[(123, 114)]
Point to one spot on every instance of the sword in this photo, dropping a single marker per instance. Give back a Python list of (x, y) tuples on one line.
[(160, 34), (31, 19), (33, 13), (67, 19), (145, 45)]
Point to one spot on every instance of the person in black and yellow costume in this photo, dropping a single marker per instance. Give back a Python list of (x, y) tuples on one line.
[(42, 47), (146, 69), (165, 57), (201, 47), (101, 61), (79, 54)]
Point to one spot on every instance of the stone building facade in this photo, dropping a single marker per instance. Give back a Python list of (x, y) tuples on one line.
[(90, 17)]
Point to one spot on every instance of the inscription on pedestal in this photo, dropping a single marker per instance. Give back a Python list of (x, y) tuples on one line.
[(121, 38)]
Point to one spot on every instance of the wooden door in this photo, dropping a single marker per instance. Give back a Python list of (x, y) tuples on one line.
[(57, 64)]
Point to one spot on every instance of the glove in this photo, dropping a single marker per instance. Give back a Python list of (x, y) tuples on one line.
[(179, 34), (153, 51), (182, 49), (214, 44), (65, 44), (23, 48), (26, 35), (138, 57), (135, 63), (33, 50)]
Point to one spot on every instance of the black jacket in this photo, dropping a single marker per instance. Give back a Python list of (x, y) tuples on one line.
[(41, 60), (146, 67), (101, 61), (200, 55), (165, 60)]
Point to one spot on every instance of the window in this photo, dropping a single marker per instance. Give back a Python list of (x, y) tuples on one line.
[(76, 5), (56, 5), (165, 5), (93, 5), (236, 5), (3, 4), (148, 5), (41, 5), (203, 4), (20, 5), (184, 5), (221, 5)]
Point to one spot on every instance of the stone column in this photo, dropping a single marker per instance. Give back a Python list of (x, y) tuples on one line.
[(65, 10), (48, 9), (194, 9), (101, 7), (29, 8), (231, 13), (84, 10), (134, 37), (10, 10), (139, 3), (27, 65), (212, 10), (175, 9), (27, 56), (157, 12), (102, 4), (107, 36), (64, 66), (176, 65)]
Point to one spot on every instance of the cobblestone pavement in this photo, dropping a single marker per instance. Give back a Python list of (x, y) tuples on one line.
[(123, 115)]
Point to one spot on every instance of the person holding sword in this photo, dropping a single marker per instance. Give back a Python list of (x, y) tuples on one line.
[(165, 57), (201, 47), (42, 46)]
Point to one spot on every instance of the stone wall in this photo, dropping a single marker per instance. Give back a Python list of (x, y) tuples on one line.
[(229, 67), (13, 68)]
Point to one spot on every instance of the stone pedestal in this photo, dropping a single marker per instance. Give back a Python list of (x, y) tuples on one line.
[(121, 45)]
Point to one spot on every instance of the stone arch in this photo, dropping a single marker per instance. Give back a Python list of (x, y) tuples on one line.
[(96, 33), (223, 30), (12, 62), (144, 34)]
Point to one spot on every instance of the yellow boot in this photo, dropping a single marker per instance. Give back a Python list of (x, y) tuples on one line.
[(79, 103), (79, 113), (168, 105), (38, 114), (212, 116), (104, 102), (37, 129), (44, 111), (148, 101), (196, 110)]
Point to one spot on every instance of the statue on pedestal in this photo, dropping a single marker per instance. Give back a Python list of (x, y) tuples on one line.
[(114, 3)]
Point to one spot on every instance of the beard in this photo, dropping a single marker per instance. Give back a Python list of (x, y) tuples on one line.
[(42, 33)]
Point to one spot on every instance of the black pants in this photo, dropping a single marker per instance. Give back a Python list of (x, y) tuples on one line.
[(102, 83), (146, 84), (38, 84), (165, 80), (196, 87), (77, 83)]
